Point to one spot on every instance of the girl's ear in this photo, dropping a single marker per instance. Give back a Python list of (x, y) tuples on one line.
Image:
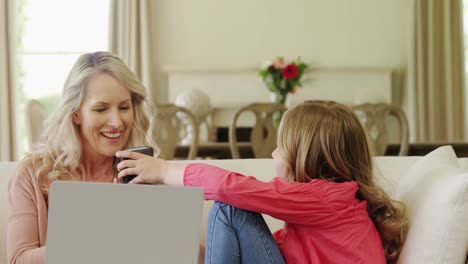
[(76, 119)]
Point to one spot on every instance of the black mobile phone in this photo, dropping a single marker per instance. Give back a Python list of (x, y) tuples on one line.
[(144, 150)]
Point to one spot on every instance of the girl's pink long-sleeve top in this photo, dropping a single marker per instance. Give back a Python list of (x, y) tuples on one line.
[(326, 223)]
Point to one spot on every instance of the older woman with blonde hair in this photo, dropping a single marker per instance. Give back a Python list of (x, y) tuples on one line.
[(104, 108)]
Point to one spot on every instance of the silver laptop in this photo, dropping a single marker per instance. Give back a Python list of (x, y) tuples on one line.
[(122, 223)]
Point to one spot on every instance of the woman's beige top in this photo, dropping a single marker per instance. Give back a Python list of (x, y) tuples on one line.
[(27, 218)]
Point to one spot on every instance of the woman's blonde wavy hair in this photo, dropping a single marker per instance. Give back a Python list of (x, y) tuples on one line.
[(58, 153), (325, 140)]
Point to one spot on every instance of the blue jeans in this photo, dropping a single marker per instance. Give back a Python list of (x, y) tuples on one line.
[(234, 235)]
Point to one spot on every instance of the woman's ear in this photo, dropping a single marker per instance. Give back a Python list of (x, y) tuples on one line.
[(76, 119)]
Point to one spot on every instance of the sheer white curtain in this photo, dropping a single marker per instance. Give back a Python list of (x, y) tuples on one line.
[(130, 37), (436, 97), (7, 80)]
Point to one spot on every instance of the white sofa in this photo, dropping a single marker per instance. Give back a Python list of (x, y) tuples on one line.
[(389, 170)]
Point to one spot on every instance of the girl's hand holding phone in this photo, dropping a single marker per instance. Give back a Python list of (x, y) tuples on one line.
[(149, 169), (144, 150)]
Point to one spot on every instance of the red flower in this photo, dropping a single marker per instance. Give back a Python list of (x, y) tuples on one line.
[(290, 71)]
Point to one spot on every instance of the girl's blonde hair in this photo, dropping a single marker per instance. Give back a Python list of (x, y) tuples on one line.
[(325, 140), (58, 153)]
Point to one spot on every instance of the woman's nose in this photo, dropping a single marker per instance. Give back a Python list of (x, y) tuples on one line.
[(115, 120)]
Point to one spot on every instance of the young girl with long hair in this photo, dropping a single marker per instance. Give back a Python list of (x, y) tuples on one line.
[(325, 191)]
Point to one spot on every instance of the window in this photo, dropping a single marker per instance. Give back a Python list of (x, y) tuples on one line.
[(465, 30), (465, 42), (55, 34)]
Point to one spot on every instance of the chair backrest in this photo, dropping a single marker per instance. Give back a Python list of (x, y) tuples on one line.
[(167, 128), (34, 119), (374, 117), (263, 135)]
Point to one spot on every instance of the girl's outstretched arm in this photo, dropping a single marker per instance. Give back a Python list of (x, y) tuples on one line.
[(305, 203)]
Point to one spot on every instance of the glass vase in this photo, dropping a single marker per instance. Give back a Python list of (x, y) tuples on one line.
[(279, 98)]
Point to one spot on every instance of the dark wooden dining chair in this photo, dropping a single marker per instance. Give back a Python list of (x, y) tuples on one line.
[(35, 117), (167, 129), (263, 134), (374, 116)]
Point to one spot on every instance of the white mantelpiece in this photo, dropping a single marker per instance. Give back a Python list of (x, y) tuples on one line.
[(230, 89)]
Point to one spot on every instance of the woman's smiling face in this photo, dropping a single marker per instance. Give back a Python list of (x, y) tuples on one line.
[(105, 117)]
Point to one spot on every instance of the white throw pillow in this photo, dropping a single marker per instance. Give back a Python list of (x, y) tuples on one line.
[(435, 192)]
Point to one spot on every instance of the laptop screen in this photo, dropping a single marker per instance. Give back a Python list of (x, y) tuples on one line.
[(123, 223)]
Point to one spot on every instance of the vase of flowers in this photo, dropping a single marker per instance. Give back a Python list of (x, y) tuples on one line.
[(282, 78), (280, 98)]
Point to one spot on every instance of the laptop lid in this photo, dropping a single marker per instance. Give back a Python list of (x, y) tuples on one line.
[(122, 223)]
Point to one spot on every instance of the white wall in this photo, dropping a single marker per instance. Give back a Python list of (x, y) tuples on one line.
[(243, 33)]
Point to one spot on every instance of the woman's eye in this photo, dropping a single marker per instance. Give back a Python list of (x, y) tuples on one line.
[(124, 107), (100, 110)]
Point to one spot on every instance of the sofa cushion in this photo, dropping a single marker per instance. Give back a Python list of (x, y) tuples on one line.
[(435, 193), (388, 171)]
